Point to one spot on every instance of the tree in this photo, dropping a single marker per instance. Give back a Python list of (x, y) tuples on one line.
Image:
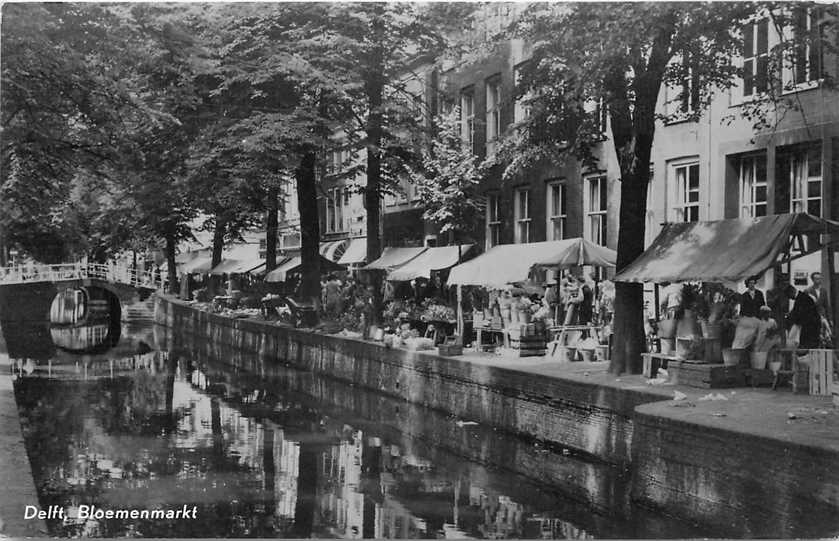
[(620, 56), (448, 179), (372, 48), (62, 105)]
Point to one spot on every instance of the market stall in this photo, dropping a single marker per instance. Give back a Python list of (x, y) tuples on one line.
[(393, 257), (519, 264), (416, 299), (355, 253), (707, 257), (293, 265)]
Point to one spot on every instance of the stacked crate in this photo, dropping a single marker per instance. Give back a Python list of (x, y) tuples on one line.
[(706, 376), (528, 339)]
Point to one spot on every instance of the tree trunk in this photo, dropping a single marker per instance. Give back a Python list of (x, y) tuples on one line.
[(271, 229), (218, 250), (307, 202), (3, 259), (218, 240), (628, 341), (374, 89), (170, 263)]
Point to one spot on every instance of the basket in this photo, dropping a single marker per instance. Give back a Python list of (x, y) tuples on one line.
[(758, 359), (731, 357)]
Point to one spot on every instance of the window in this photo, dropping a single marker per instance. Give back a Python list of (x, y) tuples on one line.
[(520, 110), (493, 115), (339, 209), (467, 119), (689, 92), (755, 57), (597, 112), (557, 211), (335, 202), (805, 170), (687, 192), (808, 55), (522, 214), (596, 204), (493, 221), (753, 190)]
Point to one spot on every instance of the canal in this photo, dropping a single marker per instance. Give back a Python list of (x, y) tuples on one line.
[(129, 418)]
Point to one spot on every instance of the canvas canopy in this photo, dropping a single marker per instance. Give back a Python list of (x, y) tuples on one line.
[(512, 263), (577, 252), (356, 252), (432, 259), (293, 264), (394, 257), (198, 264), (237, 266), (333, 250), (723, 250)]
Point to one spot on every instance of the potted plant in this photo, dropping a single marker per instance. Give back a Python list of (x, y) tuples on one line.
[(688, 322), (728, 328)]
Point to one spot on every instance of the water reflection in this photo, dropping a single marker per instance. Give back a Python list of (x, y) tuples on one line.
[(279, 453)]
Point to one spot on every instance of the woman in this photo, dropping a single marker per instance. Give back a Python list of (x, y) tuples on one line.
[(805, 314)]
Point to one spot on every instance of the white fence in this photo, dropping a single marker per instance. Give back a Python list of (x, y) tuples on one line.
[(117, 274)]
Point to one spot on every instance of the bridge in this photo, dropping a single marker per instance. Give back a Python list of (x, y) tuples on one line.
[(107, 272)]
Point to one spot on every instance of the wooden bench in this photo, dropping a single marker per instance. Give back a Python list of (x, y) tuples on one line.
[(654, 361)]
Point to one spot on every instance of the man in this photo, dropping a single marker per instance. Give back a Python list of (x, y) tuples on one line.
[(805, 314), (820, 295), (752, 299)]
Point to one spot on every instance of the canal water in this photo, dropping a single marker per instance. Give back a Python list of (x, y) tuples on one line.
[(133, 417)]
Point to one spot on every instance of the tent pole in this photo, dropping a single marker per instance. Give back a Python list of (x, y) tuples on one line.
[(656, 296), (460, 326)]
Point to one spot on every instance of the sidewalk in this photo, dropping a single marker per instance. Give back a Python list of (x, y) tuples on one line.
[(15, 473), (799, 419)]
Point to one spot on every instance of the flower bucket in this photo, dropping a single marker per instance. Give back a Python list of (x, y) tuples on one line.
[(731, 357), (565, 354), (601, 353), (686, 348), (525, 316), (667, 328), (758, 359), (775, 366), (710, 330), (587, 355), (668, 345)]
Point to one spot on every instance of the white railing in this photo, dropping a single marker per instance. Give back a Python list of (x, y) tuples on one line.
[(108, 272)]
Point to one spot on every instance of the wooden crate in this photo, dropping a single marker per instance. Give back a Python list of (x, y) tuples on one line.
[(654, 361), (528, 347), (759, 378), (706, 376), (448, 350), (820, 363)]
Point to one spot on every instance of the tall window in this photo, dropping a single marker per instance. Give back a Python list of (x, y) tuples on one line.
[(339, 209), (493, 221), (522, 215), (806, 180), (557, 211), (753, 190), (687, 192), (808, 33), (689, 93), (336, 200), (493, 115), (755, 57), (520, 110), (467, 118), (596, 204)]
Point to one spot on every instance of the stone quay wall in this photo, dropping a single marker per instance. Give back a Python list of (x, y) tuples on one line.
[(727, 479), (588, 418)]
